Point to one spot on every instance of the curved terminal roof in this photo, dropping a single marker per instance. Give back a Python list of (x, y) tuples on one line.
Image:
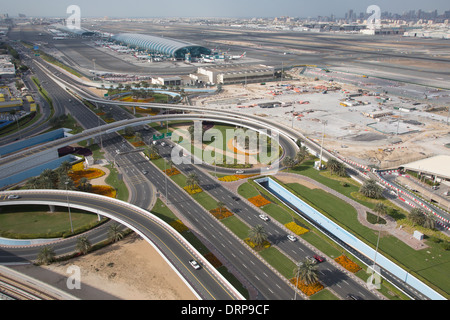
[(167, 46)]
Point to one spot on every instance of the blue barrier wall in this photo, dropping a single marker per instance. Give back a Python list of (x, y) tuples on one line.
[(30, 142), (279, 191), (33, 172)]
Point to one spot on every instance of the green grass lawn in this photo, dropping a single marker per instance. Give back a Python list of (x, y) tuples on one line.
[(279, 261), (428, 264), (236, 226), (247, 191), (114, 181), (30, 222)]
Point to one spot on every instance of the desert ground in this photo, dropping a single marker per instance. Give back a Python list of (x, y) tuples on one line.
[(128, 270)]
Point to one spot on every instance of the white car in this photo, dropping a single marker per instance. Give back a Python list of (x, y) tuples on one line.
[(194, 264), (292, 238), (311, 259), (239, 171), (13, 196), (264, 217)]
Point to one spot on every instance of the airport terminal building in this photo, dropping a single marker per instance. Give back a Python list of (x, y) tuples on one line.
[(166, 46)]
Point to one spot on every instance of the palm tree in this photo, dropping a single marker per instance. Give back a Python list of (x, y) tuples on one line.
[(153, 151), (430, 221), (301, 154), (46, 255), (48, 178), (138, 136), (307, 272), (380, 208), (192, 180), (417, 217), (83, 245), (66, 183), (66, 167), (333, 165), (33, 183), (371, 189), (220, 205), (288, 162), (84, 185), (114, 233), (257, 235)]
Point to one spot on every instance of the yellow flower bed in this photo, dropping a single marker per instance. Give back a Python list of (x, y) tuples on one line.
[(252, 245), (295, 228), (106, 191), (92, 173), (229, 178), (179, 226), (77, 167), (236, 177), (309, 290), (347, 264), (259, 201), (193, 190)]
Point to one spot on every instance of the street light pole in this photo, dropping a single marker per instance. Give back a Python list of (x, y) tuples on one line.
[(298, 273), (68, 206), (325, 122)]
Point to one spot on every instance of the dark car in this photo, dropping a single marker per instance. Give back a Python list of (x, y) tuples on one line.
[(352, 297), (319, 258)]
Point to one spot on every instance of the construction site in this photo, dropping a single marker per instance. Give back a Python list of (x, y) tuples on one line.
[(370, 127)]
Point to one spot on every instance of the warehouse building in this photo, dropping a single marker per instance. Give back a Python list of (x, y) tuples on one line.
[(165, 46), (435, 167), (237, 73)]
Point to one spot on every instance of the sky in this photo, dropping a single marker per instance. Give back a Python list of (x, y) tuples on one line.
[(212, 8)]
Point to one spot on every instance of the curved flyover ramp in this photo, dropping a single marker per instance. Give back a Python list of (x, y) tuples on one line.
[(206, 283)]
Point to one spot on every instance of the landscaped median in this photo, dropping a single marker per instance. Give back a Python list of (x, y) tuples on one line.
[(310, 289)]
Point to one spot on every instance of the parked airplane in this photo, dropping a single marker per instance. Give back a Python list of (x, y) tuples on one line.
[(237, 57)]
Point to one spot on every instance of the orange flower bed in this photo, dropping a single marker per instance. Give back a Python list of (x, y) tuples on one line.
[(172, 172), (244, 176), (89, 174), (221, 215), (259, 201), (138, 143), (309, 290), (106, 191), (347, 264), (213, 260)]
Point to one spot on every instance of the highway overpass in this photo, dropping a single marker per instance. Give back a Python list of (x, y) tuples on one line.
[(206, 283)]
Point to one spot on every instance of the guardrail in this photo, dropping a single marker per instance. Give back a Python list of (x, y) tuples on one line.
[(418, 202)]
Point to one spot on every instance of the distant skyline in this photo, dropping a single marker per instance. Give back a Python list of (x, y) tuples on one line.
[(212, 8)]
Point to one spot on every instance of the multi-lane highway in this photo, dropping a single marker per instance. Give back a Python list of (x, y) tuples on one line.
[(267, 282)]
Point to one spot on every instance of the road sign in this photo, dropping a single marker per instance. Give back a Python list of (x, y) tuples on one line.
[(162, 136)]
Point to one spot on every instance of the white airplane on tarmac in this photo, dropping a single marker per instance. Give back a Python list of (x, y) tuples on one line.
[(237, 57)]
